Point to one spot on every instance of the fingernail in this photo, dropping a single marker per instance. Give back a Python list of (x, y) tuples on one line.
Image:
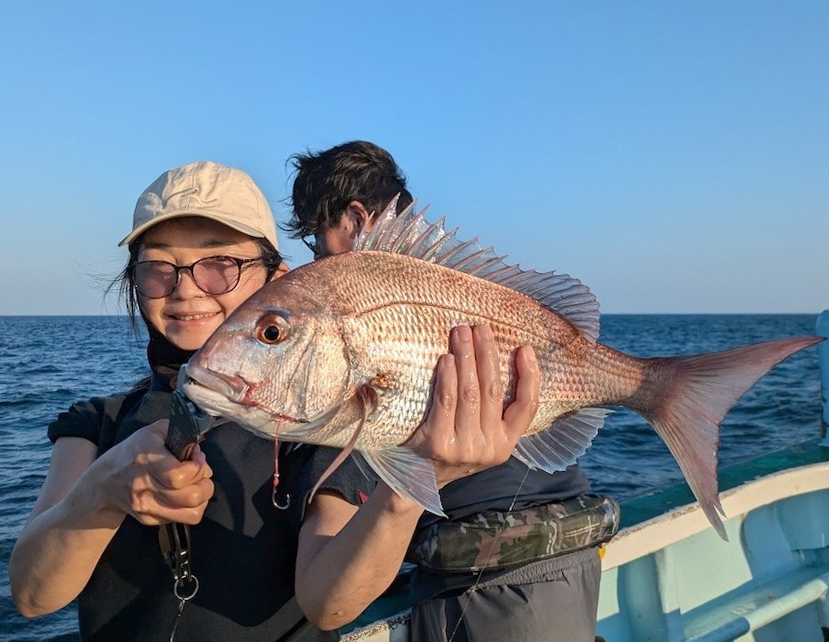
[(463, 332)]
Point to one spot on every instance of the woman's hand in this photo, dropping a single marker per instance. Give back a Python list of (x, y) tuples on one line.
[(466, 430), (83, 502), (146, 481)]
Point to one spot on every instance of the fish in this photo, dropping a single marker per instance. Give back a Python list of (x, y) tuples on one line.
[(341, 352)]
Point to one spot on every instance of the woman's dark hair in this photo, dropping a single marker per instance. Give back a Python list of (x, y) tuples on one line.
[(326, 182), (125, 281)]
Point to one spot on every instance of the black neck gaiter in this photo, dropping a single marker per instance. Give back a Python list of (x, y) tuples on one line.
[(165, 360)]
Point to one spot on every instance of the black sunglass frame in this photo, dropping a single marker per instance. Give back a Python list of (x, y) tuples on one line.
[(312, 245), (240, 263)]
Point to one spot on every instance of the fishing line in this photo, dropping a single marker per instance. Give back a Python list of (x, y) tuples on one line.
[(496, 539), (275, 489)]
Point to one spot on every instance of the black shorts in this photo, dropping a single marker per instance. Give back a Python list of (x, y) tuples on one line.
[(551, 600)]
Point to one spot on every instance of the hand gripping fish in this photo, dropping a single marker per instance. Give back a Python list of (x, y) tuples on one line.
[(342, 352)]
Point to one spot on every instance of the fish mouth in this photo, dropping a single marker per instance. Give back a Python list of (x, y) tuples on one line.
[(231, 387), (227, 396), (215, 395)]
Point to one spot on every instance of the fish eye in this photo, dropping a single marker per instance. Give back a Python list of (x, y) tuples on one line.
[(272, 329)]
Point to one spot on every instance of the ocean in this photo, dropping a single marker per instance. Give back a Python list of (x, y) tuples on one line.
[(47, 363)]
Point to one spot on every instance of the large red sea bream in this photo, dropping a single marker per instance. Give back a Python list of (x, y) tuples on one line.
[(342, 352)]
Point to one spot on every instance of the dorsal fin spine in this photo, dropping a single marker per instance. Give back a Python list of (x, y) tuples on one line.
[(446, 259)]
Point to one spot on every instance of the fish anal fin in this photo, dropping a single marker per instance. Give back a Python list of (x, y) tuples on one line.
[(560, 445)]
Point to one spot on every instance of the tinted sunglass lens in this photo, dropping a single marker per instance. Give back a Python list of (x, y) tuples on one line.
[(155, 280), (216, 275)]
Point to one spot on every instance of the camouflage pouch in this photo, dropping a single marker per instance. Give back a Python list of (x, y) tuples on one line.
[(498, 539)]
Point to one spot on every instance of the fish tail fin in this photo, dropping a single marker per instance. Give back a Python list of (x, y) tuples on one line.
[(693, 395)]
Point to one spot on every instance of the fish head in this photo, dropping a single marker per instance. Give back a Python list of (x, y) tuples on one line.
[(279, 363)]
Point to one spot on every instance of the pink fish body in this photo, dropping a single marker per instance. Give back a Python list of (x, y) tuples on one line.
[(341, 352)]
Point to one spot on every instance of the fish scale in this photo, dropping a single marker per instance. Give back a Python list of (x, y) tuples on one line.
[(578, 372)]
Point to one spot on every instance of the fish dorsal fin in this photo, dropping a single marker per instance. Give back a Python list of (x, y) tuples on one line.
[(411, 234)]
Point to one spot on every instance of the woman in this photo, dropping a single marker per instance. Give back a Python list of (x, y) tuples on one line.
[(203, 240)]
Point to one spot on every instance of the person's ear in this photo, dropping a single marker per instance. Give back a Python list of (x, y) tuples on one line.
[(280, 270), (359, 216)]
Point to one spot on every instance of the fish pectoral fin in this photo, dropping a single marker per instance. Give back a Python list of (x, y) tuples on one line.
[(562, 443), (341, 457), (407, 474)]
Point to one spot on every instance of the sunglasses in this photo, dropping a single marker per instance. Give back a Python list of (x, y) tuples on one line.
[(212, 275), (312, 245)]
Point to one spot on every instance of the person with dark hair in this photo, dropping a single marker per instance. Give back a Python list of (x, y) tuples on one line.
[(349, 180), (252, 561), (532, 571)]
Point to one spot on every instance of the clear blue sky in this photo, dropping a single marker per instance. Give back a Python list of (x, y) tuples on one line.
[(674, 156)]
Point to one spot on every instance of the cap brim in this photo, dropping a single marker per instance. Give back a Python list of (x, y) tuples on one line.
[(239, 227)]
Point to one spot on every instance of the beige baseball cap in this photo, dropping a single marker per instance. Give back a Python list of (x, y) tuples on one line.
[(207, 189)]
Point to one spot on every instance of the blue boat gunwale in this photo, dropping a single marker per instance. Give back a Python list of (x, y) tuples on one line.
[(645, 507)]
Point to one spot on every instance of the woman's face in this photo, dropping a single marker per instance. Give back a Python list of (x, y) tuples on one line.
[(188, 316)]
